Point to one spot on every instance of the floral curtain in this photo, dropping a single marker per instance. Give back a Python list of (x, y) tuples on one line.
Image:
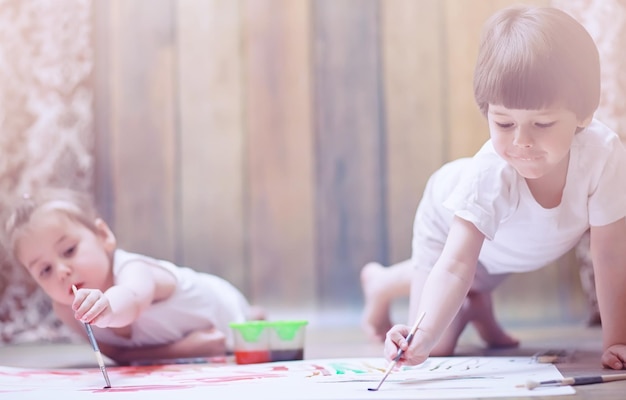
[(46, 120)]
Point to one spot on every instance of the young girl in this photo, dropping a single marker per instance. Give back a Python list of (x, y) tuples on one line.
[(140, 308), (549, 173)]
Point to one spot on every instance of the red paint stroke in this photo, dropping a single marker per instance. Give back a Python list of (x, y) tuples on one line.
[(190, 383), (140, 370), (233, 378), (163, 369), (31, 373), (141, 388), (321, 369)]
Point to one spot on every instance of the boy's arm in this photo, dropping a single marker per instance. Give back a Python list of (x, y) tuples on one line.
[(441, 292), (608, 254)]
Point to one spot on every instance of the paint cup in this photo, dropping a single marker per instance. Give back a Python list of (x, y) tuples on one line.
[(287, 340), (265, 341), (251, 344)]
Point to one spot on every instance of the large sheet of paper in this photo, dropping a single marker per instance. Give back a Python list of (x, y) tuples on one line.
[(341, 378)]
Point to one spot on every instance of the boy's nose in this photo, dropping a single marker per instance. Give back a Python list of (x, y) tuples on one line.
[(522, 138)]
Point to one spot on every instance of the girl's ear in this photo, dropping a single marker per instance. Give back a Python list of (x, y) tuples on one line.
[(106, 235)]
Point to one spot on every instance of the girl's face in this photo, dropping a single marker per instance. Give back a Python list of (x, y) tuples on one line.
[(534, 142), (59, 252)]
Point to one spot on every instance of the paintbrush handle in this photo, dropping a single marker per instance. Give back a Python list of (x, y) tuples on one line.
[(96, 348), (584, 380), (92, 338), (613, 377), (393, 362), (409, 337)]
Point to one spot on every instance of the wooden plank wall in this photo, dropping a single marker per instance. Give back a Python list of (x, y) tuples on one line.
[(282, 144)]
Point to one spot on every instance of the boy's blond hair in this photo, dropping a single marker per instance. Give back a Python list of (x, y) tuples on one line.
[(536, 57)]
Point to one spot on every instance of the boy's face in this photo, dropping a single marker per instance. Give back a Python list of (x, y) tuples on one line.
[(59, 252), (534, 142)]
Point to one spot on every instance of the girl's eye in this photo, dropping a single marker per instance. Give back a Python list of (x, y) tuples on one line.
[(504, 125), (45, 271)]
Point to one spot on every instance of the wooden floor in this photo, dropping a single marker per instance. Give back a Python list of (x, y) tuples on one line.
[(345, 339)]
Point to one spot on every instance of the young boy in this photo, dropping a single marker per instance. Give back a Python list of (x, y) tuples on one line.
[(140, 308), (548, 174)]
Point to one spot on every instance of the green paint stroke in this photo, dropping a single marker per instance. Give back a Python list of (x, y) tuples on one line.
[(343, 368)]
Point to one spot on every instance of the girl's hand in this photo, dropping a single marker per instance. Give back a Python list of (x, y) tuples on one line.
[(396, 339), (615, 357), (92, 306)]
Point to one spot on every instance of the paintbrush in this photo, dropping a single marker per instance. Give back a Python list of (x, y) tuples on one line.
[(572, 381), (96, 349), (393, 362)]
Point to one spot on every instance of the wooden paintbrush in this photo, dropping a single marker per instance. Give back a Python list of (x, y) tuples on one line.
[(580, 380), (96, 349), (400, 352)]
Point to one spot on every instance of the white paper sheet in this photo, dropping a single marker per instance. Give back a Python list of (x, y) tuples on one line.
[(341, 378)]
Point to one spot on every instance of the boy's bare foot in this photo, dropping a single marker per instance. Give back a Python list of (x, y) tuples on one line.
[(485, 322), (375, 319)]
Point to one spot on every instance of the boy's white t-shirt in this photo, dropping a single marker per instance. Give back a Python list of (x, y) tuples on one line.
[(520, 234), (200, 301)]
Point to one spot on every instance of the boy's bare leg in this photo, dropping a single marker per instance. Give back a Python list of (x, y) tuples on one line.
[(484, 320), (477, 309), (447, 343), (381, 286)]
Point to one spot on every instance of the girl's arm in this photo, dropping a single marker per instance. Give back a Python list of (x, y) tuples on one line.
[(137, 286), (200, 343), (608, 254), (440, 293)]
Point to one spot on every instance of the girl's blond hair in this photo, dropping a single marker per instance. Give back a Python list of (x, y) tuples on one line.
[(76, 205)]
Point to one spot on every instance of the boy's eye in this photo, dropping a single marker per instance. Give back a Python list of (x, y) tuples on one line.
[(546, 125), (69, 252)]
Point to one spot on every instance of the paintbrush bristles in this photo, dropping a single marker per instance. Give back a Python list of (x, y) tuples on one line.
[(392, 364), (530, 385)]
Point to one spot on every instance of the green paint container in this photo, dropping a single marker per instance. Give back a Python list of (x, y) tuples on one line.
[(287, 340), (266, 341)]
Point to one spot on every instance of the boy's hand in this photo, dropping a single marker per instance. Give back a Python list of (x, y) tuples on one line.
[(615, 357), (396, 339), (92, 306)]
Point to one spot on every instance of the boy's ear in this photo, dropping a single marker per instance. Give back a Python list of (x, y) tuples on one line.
[(106, 235), (585, 123)]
